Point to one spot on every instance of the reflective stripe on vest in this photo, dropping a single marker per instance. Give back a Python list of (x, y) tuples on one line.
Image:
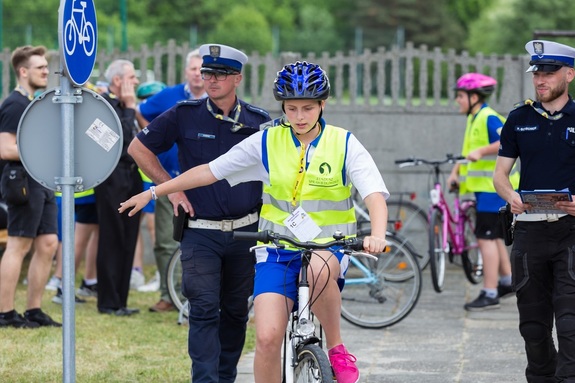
[(77, 195), (322, 194)]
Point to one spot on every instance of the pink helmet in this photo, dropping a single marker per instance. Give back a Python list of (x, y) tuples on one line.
[(476, 83)]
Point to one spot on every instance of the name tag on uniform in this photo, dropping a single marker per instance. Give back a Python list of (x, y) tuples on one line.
[(205, 135), (301, 225)]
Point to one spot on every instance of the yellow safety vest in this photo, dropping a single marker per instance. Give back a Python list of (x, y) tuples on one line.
[(77, 195), (478, 176), (321, 191)]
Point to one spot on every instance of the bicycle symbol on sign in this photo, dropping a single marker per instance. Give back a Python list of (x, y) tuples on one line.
[(84, 34)]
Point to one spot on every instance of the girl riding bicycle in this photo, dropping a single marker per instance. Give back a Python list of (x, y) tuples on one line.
[(307, 168)]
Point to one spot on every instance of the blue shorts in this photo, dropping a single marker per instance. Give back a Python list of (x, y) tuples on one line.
[(282, 277)]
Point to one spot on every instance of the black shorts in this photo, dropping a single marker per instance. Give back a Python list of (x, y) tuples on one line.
[(487, 226), (38, 216)]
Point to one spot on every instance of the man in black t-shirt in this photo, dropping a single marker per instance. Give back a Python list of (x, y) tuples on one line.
[(32, 219)]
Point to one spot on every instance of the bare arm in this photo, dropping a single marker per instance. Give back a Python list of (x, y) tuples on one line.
[(375, 203), (151, 166), (8, 147), (148, 162), (195, 177), (503, 186)]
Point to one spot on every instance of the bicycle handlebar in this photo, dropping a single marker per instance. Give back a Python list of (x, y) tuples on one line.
[(450, 159), (267, 236)]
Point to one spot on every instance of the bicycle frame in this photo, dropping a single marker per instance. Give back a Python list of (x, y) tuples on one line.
[(453, 220)]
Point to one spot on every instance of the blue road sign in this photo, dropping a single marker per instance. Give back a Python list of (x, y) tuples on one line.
[(78, 33)]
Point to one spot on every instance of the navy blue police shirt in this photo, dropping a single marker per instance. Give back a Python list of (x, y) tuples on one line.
[(201, 138), (545, 146)]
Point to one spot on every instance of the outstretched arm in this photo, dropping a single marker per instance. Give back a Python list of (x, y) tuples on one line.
[(195, 177)]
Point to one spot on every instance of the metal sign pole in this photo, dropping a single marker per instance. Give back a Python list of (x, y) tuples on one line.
[(68, 264)]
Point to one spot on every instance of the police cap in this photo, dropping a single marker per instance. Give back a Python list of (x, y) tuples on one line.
[(549, 56), (222, 58)]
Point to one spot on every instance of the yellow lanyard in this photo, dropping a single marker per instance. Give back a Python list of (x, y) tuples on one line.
[(300, 174), (236, 125)]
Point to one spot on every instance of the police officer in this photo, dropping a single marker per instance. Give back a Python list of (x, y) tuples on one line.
[(217, 270), (540, 133)]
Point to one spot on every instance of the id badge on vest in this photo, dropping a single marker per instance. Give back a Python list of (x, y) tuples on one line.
[(301, 225)]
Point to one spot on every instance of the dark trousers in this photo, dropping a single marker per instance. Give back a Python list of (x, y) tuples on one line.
[(118, 236), (543, 261), (218, 278)]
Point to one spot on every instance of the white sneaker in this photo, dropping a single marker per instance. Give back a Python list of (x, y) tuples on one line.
[(137, 279), (53, 283), (152, 286)]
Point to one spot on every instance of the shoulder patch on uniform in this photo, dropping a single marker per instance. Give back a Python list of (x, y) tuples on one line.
[(527, 102), (257, 110)]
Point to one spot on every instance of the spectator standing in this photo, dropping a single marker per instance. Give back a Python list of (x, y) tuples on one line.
[(32, 221), (308, 168), (218, 271), (85, 246), (118, 233), (165, 246), (541, 135), (480, 146)]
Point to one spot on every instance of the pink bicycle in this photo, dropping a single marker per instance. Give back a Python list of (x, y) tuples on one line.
[(451, 232)]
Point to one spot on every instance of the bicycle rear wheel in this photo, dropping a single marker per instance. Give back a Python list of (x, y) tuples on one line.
[(174, 283), (471, 256), (380, 293), (436, 250), (410, 221), (313, 365)]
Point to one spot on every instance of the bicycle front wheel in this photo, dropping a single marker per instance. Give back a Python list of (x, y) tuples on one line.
[(174, 283), (410, 221), (379, 293), (471, 256), (313, 365), (437, 250)]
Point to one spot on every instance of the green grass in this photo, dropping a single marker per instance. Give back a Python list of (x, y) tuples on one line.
[(148, 347)]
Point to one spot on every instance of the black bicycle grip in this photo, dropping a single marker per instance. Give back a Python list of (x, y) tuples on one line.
[(397, 162), (260, 236), (354, 243)]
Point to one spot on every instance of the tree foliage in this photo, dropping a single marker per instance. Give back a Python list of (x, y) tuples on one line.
[(299, 25)]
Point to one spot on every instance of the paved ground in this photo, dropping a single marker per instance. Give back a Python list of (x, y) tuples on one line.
[(438, 342)]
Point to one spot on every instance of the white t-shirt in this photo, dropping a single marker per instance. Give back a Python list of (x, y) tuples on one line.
[(243, 163)]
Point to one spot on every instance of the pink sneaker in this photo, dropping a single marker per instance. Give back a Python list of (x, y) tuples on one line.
[(343, 364)]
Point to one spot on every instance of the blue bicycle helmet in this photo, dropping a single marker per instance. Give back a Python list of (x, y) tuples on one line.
[(301, 81)]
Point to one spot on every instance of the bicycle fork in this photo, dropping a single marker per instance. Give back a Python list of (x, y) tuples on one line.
[(301, 327)]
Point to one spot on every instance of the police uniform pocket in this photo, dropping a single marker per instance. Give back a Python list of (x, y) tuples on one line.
[(519, 269), (571, 262), (569, 136)]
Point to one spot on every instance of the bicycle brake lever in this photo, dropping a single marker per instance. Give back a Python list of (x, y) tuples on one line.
[(363, 254)]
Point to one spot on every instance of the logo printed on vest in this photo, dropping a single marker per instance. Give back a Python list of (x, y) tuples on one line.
[(325, 179), (325, 168)]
